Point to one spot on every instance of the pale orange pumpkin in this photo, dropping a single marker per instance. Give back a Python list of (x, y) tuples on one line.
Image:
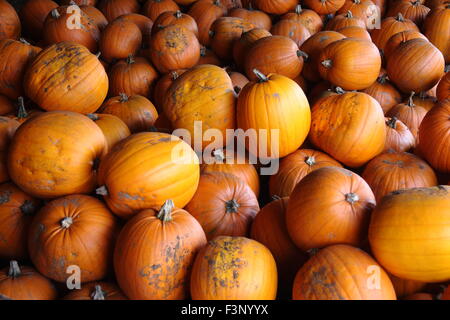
[(398, 136)]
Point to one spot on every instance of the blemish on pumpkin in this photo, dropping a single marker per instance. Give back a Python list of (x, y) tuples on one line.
[(5, 196)]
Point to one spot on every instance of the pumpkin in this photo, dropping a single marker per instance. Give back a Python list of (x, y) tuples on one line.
[(8, 128), (282, 106), (232, 4), (96, 15), (154, 8), (238, 80), (402, 237), (33, 14), (242, 45), (302, 83), (344, 20), (16, 213), (355, 32), (324, 7), (361, 133), (361, 9), (15, 57), (351, 64), (57, 85), (295, 30), (384, 92), (96, 291), (10, 26), (113, 128), (142, 22), (155, 252), (274, 54), (258, 18), (138, 113), (25, 283), (162, 86), (203, 93), (436, 4), (177, 18), (313, 46), (207, 56), (425, 100), (73, 230), (61, 162), (295, 167), (115, 8), (205, 12), (133, 76), (21, 114), (443, 88), (342, 272), (403, 66), (434, 135), (413, 10), (234, 268), (80, 2), (60, 25), (164, 167), (404, 288), (436, 29), (276, 7), (322, 90), (174, 47), (309, 18), (400, 38), (6, 105), (419, 296), (398, 136), (120, 39), (224, 32)]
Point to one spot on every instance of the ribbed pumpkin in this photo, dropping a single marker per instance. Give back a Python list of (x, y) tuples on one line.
[(115, 8), (96, 291), (361, 9), (245, 42), (280, 105), (295, 30), (224, 205), (402, 237), (419, 296), (154, 8), (155, 252), (404, 64), (398, 136), (342, 272), (234, 268), (295, 167), (351, 64), (16, 212), (413, 10), (344, 20), (436, 28), (399, 38), (238, 79), (138, 113), (258, 18), (6, 106), (163, 167), (113, 127), (142, 22), (355, 32), (443, 88), (33, 14), (349, 127), (205, 12), (61, 162), (9, 21), (404, 287), (324, 7), (175, 18), (331, 205), (62, 84), (275, 6), (203, 93), (25, 283), (207, 56), (308, 17), (96, 15), (162, 85), (73, 230), (21, 114), (434, 133), (384, 92)]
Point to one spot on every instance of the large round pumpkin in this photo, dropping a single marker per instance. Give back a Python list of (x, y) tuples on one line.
[(242, 45), (234, 268), (413, 10), (295, 30), (155, 252), (258, 18), (175, 18), (154, 8), (96, 15), (399, 38), (9, 21), (96, 291), (61, 75), (308, 17), (344, 20), (161, 87)]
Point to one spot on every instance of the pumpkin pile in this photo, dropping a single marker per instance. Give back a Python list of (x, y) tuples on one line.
[(104, 182)]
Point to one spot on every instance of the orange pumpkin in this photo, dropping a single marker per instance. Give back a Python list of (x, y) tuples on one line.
[(205, 12), (244, 43), (115, 8), (238, 80), (384, 92), (404, 288), (275, 6), (175, 18), (154, 8), (342, 272), (234, 268), (436, 29), (361, 9), (162, 85), (295, 30), (413, 10), (258, 18), (10, 26), (308, 17), (113, 128), (398, 137), (96, 15), (155, 252), (6, 106), (443, 88), (33, 14), (73, 230), (145, 24), (324, 7), (96, 291), (345, 20), (207, 56), (355, 32)]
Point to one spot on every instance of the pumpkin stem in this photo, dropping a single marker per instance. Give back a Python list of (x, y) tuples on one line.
[(357, 1), (392, 122), (92, 116), (130, 59), (302, 54), (174, 75), (447, 67), (310, 160), (24, 41), (66, 222), (261, 77), (165, 213), (237, 89), (27, 208), (123, 97), (298, 9), (98, 293), (211, 33), (21, 111), (219, 155), (203, 51), (102, 191), (55, 14), (275, 197), (382, 79), (351, 197), (14, 270), (400, 17), (178, 14), (410, 99), (98, 55), (339, 90), (217, 2), (415, 3), (250, 6), (327, 63), (312, 252), (231, 206), (349, 14)]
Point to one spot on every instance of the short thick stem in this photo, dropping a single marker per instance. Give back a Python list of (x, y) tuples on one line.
[(21, 111), (92, 116), (130, 59), (102, 191), (66, 222), (400, 17), (351, 197), (298, 9), (98, 293), (261, 77), (14, 270), (231, 206), (178, 14), (219, 155), (410, 99), (310, 161), (392, 122), (165, 213), (123, 97), (24, 41), (349, 14), (55, 14), (302, 54), (327, 63)]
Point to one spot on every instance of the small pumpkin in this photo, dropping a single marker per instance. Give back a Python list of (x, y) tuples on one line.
[(361, 9), (162, 85), (145, 24), (308, 17), (115, 8), (258, 18), (344, 20), (10, 26), (399, 38), (384, 92), (405, 288), (6, 105), (154, 8), (443, 88), (96, 291), (207, 56), (413, 10), (177, 18), (113, 128), (324, 7), (33, 14), (295, 30), (205, 12), (242, 45), (398, 136)]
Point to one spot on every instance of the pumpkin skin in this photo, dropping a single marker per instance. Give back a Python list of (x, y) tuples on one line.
[(276, 7), (61, 163), (174, 47), (399, 38), (405, 56), (393, 171), (8, 128), (138, 113), (224, 205), (231, 261), (207, 56), (133, 76), (154, 8), (96, 291), (402, 244), (25, 283), (419, 296), (238, 80), (10, 26), (361, 134), (274, 54), (351, 64), (80, 2), (331, 205), (281, 105), (324, 7), (361, 9), (434, 135), (6, 106), (113, 128), (162, 86), (244, 43), (60, 26), (57, 85), (398, 137), (96, 15), (33, 14), (295, 30), (384, 92), (21, 114), (436, 29), (205, 12), (16, 212), (157, 174), (340, 272), (155, 252), (258, 18), (15, 56), (73, 230), (413, 10), (345, 20), (145, 24), (115, 8), (187, 101), (175, 18), (443, 88), (309, 18), (404, 288), (295, 167), (355, 32)]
